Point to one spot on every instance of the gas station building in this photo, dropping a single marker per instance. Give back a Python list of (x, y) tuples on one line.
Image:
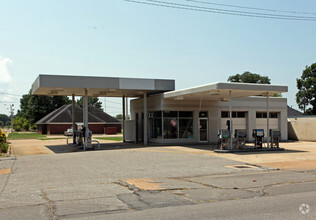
[(161, 114)]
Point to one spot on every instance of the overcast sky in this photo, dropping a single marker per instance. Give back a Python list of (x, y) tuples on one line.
[(120, 38)]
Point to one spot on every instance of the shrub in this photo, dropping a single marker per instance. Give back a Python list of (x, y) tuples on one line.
[(4, 147), (21, 123), (3, 138), (34, 127), (3, 142)]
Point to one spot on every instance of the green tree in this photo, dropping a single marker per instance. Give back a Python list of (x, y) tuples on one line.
[(306, 96), (21, 123), (94, 101), (4, 118), (119, 116), (248, 77), (35, 107)]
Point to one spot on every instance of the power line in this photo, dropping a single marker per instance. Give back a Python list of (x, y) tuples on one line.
[(10, 94), (114, 102), (231, 11), (112, 107), (252, 8), (221, 11)]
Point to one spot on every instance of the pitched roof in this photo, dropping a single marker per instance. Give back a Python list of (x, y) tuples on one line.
[(293, 112), (64, 115)]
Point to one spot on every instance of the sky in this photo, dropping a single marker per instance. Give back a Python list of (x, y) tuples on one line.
[(117, 38)]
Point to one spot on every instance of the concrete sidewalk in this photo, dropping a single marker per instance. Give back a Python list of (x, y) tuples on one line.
[(297, 155)]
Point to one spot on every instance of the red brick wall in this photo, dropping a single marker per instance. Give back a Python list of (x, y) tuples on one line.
[(57, 128), (95, 128), (39, 129), (117, 126), (42, 129)]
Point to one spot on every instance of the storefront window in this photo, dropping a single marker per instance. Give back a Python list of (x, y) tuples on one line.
[(155, 124), (167, 114), (234, 114), (264, 115), (203, 114), (170, 124), (170, 128), (185, 128)]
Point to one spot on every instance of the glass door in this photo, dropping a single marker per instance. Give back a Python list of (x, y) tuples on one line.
[(203, 129)]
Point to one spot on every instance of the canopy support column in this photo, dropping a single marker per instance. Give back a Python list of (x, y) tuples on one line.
[(145, 119), (230, 121), (73, 115), (123, 119), (268, 120), (85, 118), (127, 117)]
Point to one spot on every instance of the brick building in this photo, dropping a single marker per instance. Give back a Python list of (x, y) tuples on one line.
[(60, 120)]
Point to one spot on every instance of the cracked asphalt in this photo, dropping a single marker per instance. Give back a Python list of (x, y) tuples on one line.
[(150, 183)]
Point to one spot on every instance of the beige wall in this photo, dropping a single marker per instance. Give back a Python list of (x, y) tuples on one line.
[(302, 128), (250, 105)]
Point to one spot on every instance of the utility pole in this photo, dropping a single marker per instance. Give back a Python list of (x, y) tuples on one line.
[(12, 112)]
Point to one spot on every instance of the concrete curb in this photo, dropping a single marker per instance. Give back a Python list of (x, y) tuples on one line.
[(249, 150)]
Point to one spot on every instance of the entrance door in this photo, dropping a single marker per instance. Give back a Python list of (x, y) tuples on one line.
[(203, 129)]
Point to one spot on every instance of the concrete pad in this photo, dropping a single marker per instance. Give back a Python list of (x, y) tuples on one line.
[(297, 156), (30, 147), (214, 194), (292, 165), (82, 191), (16, 198), (86, 206), (253, 180), (34, 146), (34, 212)]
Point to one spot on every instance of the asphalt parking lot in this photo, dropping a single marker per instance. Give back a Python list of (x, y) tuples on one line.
[(131, 181)]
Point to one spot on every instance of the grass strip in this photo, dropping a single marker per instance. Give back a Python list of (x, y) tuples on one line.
[(110, 138), (29, 135)]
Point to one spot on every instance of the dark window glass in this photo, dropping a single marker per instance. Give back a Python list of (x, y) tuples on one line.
[(261, 115), (157, 128), (185, 128), (186, 114), (241, 114), (170, 114), (273, 115), (225, 114), (203, 114), (157, 114), (234, 114), (170, 128)]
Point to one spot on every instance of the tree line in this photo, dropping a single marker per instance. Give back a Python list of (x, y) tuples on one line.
[(35, 107)]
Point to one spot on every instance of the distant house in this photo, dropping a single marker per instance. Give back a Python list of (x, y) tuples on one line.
[(301, 127), (291, 112), (60, 120)]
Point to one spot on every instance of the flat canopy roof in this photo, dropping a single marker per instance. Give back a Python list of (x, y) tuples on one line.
[(65, 85), (220, 91)]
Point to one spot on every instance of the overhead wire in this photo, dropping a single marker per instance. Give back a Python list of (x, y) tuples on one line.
[(251, 8), (221, 11), (4, 93)]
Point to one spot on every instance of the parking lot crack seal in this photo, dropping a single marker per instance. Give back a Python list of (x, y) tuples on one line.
[(49, 204)]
